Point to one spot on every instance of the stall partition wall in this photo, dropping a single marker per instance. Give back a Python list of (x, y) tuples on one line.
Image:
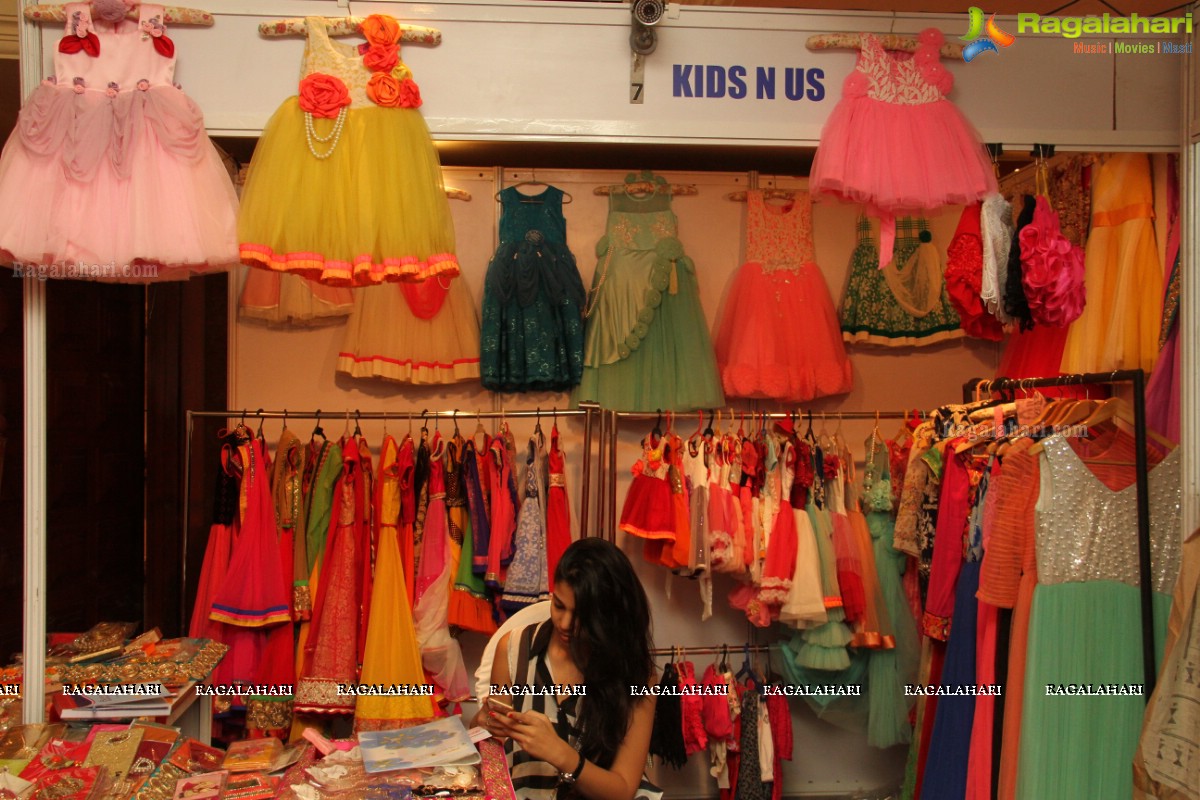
[(1189, 313)]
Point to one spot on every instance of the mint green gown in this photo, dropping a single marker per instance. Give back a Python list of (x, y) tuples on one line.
[(1085, 626), (647, 343)]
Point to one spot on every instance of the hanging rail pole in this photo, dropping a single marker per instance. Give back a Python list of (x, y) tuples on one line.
[(589, 410), (1141, 479), (391, 416), (187, 496), (645, 416), (1145, 556), (614, 433), (710, 650), (602, 473)]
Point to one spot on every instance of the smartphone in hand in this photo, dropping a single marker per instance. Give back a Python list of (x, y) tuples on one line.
[(498, 705)]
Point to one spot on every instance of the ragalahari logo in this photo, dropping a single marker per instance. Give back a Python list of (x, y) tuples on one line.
[(983, 37)]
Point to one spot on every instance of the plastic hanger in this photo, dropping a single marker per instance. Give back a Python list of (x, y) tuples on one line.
[(723, 666), (317, 429), (479, 430), (260, 424), (657, 431), (357, 423), (746, 672), (534, 199)]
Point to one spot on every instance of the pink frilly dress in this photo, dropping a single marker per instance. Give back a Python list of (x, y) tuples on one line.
[(1051, 269), (895, 143), (109, 174)]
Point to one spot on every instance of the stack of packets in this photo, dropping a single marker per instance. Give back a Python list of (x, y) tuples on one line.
[(142, 760), (436, 760)]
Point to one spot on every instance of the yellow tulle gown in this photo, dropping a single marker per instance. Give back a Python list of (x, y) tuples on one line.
[(392, 655), (1119, 325), (345, 186)]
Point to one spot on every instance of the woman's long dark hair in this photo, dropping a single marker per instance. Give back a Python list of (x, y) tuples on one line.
[(611, 643)]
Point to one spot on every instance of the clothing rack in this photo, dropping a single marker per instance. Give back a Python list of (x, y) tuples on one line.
[(710, 650), (1137, 378), (588, 411), (610, 428)]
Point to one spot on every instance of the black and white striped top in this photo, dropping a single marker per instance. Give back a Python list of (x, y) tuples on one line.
[(527, 665)]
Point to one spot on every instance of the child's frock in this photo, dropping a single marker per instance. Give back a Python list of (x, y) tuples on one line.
[(779, 334), (903, 304), (345, 186), (420, 333), (109, 174), (647, 344), (895, 143), (532, 299)]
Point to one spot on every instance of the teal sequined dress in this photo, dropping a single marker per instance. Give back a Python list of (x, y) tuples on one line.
[(647, 344), (533, 299)]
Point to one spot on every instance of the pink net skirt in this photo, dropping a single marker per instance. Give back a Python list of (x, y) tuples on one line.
[(893, 157)]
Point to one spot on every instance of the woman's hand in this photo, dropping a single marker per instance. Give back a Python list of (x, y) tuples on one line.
[(497, 723), (535, 733)]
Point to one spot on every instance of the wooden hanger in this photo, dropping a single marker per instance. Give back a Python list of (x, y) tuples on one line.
[(346, 26), (172, 15), (648, 187), (889, 41), (457, 194), (768, 194)]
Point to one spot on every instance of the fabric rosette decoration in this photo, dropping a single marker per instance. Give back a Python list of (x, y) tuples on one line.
[(1052, 269), (323, 95), (928, 57), (386, 90), (381, 56)]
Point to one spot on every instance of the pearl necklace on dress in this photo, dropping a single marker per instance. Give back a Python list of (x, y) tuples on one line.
[(334, 135)]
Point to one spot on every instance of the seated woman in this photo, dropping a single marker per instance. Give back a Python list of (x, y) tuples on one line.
[(598, 638)]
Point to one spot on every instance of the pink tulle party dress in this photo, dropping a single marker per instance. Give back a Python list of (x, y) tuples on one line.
[(779, 336), (109, 174), (895, 143)]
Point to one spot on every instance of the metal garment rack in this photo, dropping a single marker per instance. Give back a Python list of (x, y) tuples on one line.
[(610, 429), (1137, 378), (588, 411), (710, 650)]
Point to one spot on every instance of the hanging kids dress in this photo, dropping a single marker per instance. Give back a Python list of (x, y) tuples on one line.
[(532, 299), (345, 186), (779, 335), (895, 143), (647, 345), (903, 304), (420, 333), (109, 174)]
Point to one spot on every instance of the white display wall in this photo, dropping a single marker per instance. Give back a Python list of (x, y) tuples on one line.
[(278, 368)]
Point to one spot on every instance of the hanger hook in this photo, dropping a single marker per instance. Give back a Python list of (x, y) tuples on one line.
[(285, 418)]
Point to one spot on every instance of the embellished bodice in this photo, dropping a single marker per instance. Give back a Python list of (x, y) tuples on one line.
[(899, 78), (97, 55), (640, 223), (534, 218), (1088, 532), (371, 72), (641, 259), (779, 237)]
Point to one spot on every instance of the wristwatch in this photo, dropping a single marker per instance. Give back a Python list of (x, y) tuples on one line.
[(569, 778)]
